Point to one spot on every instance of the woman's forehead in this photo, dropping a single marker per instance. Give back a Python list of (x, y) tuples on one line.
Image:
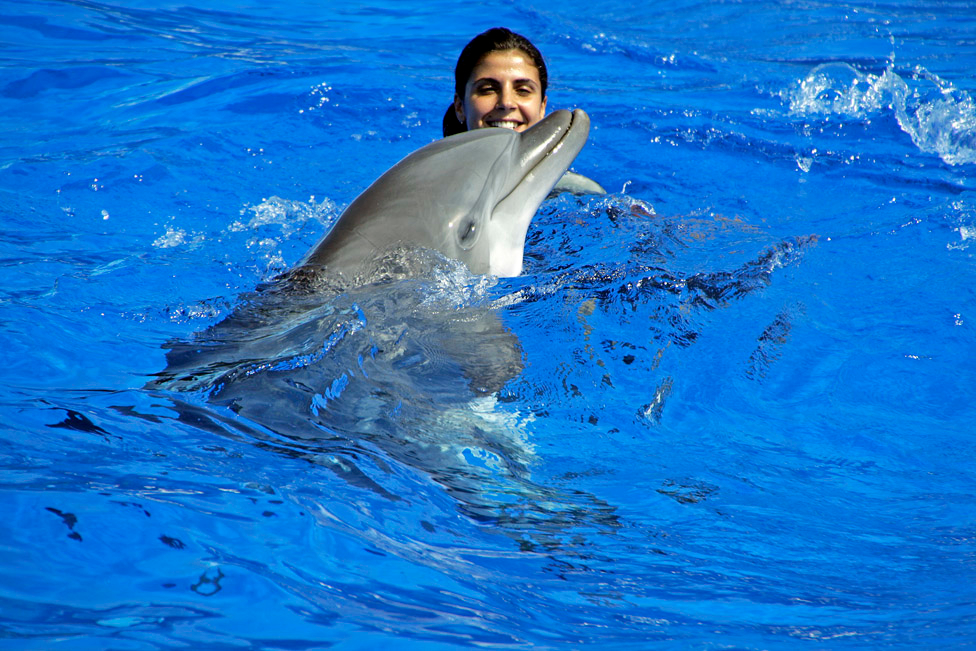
[(509, 63)]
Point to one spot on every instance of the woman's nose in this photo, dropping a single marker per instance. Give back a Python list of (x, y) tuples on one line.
[(506, 99)]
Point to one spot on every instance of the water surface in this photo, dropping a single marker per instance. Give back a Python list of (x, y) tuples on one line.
[(727, 405)]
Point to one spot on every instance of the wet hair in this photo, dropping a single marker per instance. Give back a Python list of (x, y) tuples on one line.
[(496, 39)]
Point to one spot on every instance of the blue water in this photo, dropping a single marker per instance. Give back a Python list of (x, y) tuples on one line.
[(732, 401)]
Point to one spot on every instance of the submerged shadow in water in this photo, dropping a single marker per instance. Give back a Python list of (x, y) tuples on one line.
[(358, 379)]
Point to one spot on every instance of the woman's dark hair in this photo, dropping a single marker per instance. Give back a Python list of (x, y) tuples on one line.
[(496, 39)]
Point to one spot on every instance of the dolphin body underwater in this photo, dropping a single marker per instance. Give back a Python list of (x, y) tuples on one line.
[(347, 360)]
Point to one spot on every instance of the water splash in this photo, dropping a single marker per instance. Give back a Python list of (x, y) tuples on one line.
[(939, 118), (288, 214), (840, 89), (962, 217), (275, 221), (174, 237)]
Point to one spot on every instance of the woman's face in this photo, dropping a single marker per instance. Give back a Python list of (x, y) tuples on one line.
[(503, 91)]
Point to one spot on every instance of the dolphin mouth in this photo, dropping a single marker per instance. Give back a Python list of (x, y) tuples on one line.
[(559, 131), (545, 152), (541, 157)]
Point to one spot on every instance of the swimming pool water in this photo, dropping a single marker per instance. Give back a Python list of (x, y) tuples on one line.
[(730, 403)]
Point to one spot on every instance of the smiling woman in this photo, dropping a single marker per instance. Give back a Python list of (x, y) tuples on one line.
[(503, 90), (500, 80)]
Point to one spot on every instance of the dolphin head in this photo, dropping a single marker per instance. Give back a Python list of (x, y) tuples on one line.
[(470, 196)]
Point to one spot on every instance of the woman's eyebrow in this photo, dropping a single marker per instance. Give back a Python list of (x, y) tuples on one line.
[(493, 80)]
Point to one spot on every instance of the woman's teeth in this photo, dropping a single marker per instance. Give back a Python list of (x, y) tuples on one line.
[(504, 124)]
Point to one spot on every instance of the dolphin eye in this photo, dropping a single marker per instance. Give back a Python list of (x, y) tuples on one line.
[(467, 233)]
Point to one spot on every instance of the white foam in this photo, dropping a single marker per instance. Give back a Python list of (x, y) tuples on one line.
[(172, 237), (938, 117), (288, 214)]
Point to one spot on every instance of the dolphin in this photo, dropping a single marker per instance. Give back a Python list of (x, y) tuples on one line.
[(470, 197), (349, 357)]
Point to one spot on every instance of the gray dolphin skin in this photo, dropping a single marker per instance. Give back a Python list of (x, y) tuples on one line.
[(470, 196)]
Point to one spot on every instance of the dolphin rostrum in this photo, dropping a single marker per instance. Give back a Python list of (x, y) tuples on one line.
[(470, 197)]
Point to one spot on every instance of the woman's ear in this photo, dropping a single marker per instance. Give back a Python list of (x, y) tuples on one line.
[(542, 113), (459, 109)]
